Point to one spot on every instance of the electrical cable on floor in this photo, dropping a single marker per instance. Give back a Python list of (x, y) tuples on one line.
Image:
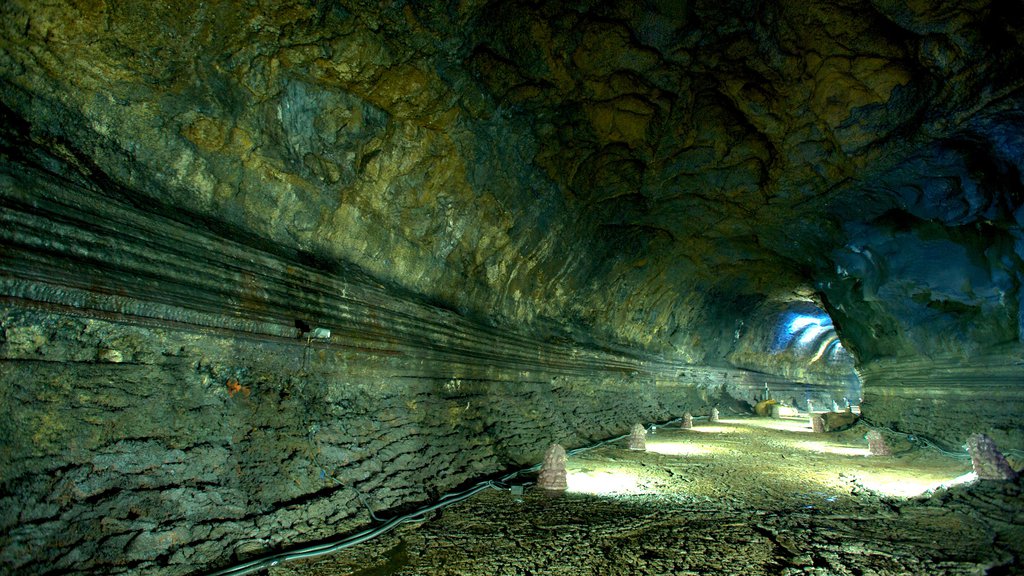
[(362, 499), (315, 453), (332, 546)]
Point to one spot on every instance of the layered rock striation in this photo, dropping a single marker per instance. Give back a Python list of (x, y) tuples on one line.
[(178, 400), (517, 221)]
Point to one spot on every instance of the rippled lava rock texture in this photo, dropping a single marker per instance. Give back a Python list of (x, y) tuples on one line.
[(523, 222)]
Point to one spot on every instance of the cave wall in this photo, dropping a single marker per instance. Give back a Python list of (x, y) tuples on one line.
[(796, 339), (643, 173), (927, 289), (154, 448), (521, 221), (346, 133), (170, 410)]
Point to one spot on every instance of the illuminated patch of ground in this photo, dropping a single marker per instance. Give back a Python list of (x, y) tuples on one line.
[(741, 496)]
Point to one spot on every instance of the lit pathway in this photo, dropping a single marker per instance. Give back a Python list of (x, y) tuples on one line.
[(743, 496)]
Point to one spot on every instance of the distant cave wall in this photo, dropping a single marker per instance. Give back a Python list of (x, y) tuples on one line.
[(927, 291), (794, 340)]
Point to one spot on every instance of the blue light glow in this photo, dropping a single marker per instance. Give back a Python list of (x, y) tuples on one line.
[(801, 321), (808, 334), (828, 346), (801, 329)]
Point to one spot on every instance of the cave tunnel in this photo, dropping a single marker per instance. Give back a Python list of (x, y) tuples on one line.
[(277, 277)]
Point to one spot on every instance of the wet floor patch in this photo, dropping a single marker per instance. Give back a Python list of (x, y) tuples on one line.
[(744, 496)]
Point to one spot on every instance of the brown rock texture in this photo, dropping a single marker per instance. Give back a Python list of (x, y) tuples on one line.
[(877, 445), (781, 519), (987, 461), (637, 438), (837, 420), (817, 424), (687, 171), (552, 471)]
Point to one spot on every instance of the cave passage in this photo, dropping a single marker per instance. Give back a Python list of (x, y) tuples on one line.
[(808, 333), (275, 272)]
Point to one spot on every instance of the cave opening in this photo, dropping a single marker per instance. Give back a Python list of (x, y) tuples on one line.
[(807, 333), (794, 342)]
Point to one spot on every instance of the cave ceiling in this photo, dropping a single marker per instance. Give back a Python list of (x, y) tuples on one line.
[(723, 132), (638, 167)]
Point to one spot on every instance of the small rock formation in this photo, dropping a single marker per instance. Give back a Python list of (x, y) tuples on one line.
[(877, 445), (764, 407), (838, 420), (552, 472), (988, 463), (687, 421), (714, 415), (818, 424), (638, 438)]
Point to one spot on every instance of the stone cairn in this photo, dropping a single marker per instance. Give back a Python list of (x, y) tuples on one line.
[(877, 445), (714, 415), (687, 421), (638, 438), (552, 471), (817, 424), (988, 463)]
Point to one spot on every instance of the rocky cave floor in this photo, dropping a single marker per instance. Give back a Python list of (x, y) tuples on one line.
[(744, 496)]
